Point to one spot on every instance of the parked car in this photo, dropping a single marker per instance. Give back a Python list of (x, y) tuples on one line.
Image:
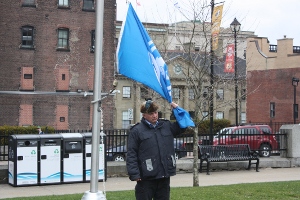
[(118, 153), (259, 137)]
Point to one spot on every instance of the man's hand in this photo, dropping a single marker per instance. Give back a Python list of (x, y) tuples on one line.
[(173, 105)]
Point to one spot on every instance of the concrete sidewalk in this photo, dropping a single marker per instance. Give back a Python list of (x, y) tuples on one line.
[(223, 177)]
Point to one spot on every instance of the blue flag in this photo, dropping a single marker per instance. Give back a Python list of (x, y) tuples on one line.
[(139, 59), (183, 117)]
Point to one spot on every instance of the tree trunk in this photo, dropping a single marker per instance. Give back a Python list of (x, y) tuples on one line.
[(195, 155)]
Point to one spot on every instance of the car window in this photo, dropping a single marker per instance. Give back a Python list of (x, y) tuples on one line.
[(265, 130), (251, 131), (240, 131), (224, 132)]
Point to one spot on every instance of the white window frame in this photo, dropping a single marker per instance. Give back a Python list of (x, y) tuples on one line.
[(126, 92), (205, 115), (176, 93), (63, 38), (243, 117), (125, 119), (272, 109), (219, 115), (191, 93), (63, 3), (220, 94)]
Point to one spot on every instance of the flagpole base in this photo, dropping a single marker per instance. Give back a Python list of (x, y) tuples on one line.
[(93, 196)]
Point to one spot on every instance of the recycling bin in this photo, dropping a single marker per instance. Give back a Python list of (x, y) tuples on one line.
[(87, 140), (72, 151), (23, 160), (50, 158)]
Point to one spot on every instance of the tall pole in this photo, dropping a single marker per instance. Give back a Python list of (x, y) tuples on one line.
[(94, 193), (235, 80), (295, 82), (235, 27), (294, 107), (211, 104)]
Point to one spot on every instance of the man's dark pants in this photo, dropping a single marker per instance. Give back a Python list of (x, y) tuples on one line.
[(157, 189)]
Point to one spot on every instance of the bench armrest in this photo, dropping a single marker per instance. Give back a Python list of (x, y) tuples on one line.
[(207, 155), (254, 153)]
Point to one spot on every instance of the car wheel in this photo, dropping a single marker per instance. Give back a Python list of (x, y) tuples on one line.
[(265, 150), (119, 157)]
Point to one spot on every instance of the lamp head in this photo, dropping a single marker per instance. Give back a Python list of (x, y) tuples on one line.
[(235, 26), (295, 81), (115, 83)]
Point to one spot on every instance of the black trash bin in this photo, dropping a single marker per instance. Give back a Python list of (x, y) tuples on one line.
[(72, 150), (23, 160), (50, 159), (87, 141)]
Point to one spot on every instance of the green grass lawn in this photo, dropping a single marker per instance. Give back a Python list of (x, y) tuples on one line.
[(273, 190)]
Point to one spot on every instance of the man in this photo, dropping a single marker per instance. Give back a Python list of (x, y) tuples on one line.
[(151, 155), (40, 130)]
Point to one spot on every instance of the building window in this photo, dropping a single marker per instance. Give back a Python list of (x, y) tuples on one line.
[(27, 37), (126, 92), (243, 94), (62, 119), (63, 77), (243, 117), (272, 109), (205, 92), (220, 94), (125, 119), (88, 5), (63, 3), (176, 93), (191, 94), (197, 48), (205, 115), (27, 76), (63, 39), (219, 115), (92, 47), (28, 3)]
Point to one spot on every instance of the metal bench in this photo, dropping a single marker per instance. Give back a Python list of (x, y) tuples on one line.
[(226, 153)]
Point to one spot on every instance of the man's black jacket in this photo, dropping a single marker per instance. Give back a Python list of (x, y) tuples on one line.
[(150, 152)]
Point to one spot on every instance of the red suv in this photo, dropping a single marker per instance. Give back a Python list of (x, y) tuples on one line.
[(259, 137)]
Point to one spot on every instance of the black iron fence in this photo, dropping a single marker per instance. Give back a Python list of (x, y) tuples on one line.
[(116, 142)]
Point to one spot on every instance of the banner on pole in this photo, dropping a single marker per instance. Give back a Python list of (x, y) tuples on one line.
[(215, 27), (229, 62)]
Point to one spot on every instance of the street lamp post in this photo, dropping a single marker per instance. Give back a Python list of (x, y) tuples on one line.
[(295, 82), (235, 28)]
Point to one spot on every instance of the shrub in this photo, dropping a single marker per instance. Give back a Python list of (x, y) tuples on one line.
[(218, 124)]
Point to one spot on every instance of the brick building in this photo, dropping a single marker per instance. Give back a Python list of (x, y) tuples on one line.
[(47, 62), (270, 69)]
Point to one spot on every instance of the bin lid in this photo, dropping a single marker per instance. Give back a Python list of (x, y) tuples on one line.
[(71, 135), (50, 136), (26, 136), (87, 134)]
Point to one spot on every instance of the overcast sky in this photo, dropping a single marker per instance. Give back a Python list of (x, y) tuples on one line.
[(267, 18)]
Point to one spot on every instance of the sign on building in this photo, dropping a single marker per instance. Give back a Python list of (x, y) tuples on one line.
[(130, 114)]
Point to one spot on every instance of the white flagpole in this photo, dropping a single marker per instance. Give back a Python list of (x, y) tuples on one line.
[(94, 194)]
